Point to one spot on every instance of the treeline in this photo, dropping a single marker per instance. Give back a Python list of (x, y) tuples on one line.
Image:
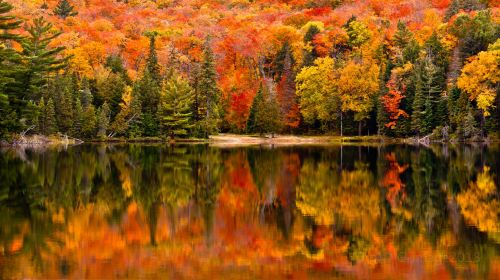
[(40, 95), (348, 83)]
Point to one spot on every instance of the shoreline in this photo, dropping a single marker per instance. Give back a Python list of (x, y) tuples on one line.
[(234, 140)]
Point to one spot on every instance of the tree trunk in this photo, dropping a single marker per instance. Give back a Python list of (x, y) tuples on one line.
[(341, 125)]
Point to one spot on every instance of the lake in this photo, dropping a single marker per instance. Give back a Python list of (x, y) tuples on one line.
[(301, 212)]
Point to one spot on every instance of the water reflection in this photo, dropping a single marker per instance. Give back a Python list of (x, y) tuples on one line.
[(195, 211)]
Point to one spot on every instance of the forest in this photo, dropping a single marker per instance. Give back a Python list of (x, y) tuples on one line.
[(101, 69)]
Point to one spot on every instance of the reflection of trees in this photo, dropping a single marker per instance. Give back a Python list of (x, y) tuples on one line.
[(275, 173), (349, 199), (480, 204), (206, 166)]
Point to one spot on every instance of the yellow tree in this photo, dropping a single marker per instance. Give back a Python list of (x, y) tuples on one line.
[(480, 78), (357, 86), (316, 88)]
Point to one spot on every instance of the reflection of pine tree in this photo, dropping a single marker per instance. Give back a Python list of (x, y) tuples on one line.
[(206, 168)]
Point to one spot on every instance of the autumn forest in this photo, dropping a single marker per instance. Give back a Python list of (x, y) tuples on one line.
[(98, 69)]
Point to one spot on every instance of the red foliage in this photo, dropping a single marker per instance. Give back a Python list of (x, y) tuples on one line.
[(392, 100)]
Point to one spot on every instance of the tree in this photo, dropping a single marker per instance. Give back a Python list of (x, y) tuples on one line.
[(358, 33), (475, 32), (62, 89), (152, 66), (317, 91), (103, 120), (207, 95), (175, 106), (110, 89), (465, 5), (41, 59), (64, 9), (310, 54), (427, 97), (403, 35), (89, 122), (392, 101), (286, 94), (264, 112), (357, 86), (257, 100), (77, 119), (10, 67), (47, 124), (480, 78)]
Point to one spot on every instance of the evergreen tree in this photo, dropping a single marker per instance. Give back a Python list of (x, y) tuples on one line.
[(207, 95), (78, 119), (266, 113), (89, 122), (175, 106), (465, 5), (427, 97), (403, 35), (62, 89), (256, 103), (152, 65), (111, 90), (135, 124), (103, 120), (47, 124), (42, 59), (115, 64), (310, 55), (10, 67), (148, 90), (64, 9)]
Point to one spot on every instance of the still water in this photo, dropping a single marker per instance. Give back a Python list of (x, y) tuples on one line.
[(301, 212)]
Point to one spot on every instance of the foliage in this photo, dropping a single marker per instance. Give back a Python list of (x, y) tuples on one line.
[(175, 106), (480, 78)]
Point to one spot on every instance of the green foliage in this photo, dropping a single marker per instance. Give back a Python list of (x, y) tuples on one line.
[(475, 33), (64, 9), (310, 54), (264, 113), (175, 106), (103, 120), (358, 33), (47, 120), (207, 96)]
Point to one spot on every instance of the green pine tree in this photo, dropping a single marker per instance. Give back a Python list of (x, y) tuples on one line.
[(207, 95), (111, 90), (47, 123), (256, 103), (310, 55), (64, 9), (265, 117), (42, 59), (11, 101), (175, 106), (135, 124), (89, 122), (78, 119), (148, 90), (152, 65), (103, 120), (62, 89)]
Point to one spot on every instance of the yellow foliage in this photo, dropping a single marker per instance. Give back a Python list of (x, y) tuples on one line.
[(481, 76), (480, 205), (357, 84)]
